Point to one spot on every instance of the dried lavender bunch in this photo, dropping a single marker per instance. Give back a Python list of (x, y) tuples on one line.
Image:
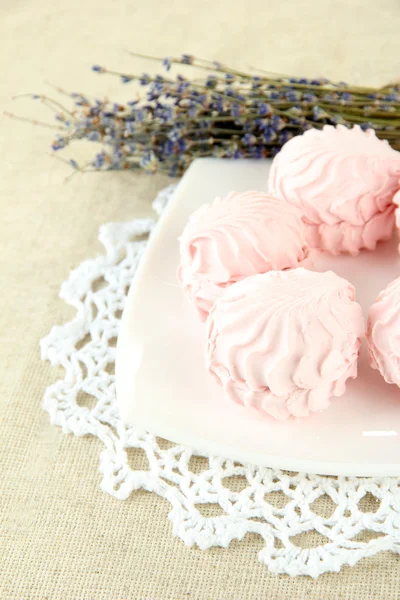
[(226, 113)]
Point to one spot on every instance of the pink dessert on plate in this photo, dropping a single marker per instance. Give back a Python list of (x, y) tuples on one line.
[(383, 333), (343, 181), (236, 237), (285, 342)]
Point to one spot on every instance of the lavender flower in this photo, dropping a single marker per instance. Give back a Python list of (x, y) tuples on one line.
[(264, 109), (235, 110), (249, 139), (144, 79), (59, 143), (186, 59), (225, 114), (166, 63)]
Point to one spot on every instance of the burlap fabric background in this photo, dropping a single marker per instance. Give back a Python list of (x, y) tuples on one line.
[(61, 537)]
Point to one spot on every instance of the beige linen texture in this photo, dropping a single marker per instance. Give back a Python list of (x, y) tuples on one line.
[(62, 538)]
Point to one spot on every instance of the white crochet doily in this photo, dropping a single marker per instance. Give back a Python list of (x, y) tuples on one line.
[(343, 519)]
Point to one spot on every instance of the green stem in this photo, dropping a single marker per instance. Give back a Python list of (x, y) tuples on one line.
[(34, 121)]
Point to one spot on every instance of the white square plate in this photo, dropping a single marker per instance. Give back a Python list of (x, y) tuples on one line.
[(163, 386)]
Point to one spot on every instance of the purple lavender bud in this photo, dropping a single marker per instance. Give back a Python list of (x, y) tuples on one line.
[(264, 109), (94, 136), (292, 96), (346, 96), (284, 137), (202, 99), (144, 79), (235, 110), (166, 63), (269, 135), (98, 69), (95, 110), (392, 98), (182, 145), (255, 84), (365, 126), (193, 110), (309, 97), (158, 87), (168, 114), (218, 106), (73, 163), (126, 78), (249, 139), (182, 87), (59, 143), (130, 127), (211, 82), (174, 135), (315, 82), (187, 59), (277, 123), (139, 115), (168, 148), (238, 154), (99, 159)]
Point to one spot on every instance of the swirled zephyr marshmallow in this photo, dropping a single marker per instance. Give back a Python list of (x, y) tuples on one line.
[(396, 201), (383, 333), (343, 180), (235, 237), (285, 342)]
